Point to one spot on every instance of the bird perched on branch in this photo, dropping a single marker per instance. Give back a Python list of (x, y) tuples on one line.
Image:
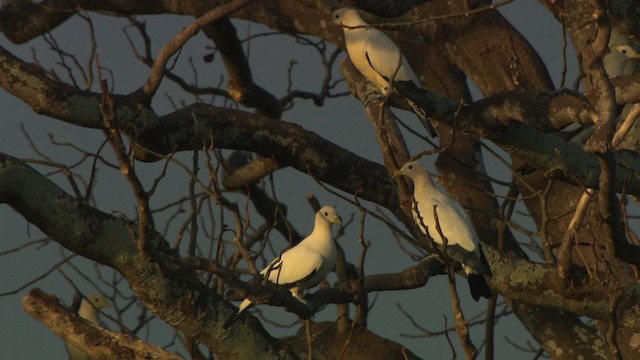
[(304, 265), (462, 244), (88, 310), (380, 60)]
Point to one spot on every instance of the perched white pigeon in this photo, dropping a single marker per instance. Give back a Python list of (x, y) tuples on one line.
[(88, 310), (304, 265), (380, 60), (463, 244)]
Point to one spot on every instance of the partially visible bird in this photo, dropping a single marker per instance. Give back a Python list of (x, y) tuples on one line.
[(622, 58), (304, 265), (380, 60), (463, 244), (88, 310)]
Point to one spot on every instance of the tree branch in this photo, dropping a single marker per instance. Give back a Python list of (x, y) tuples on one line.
[(172, 293), (96, 341), (158, 68)]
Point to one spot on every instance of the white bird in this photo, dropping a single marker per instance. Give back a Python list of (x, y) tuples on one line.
[(380, 60), (89, 311), (463, 244), (304, 265)]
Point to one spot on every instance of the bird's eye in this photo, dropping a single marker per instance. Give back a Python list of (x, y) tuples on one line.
[(326, 213), (624, 51), (410, 167), (337, 16)]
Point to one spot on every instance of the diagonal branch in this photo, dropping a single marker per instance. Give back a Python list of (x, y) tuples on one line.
[(158, 68), (48, 310)]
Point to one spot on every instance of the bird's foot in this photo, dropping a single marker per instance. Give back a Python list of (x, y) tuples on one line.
[(372, 93)]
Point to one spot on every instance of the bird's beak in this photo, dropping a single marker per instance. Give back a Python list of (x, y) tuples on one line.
[(337, 220), (398, 174)]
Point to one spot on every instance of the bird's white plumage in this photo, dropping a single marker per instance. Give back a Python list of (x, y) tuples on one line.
[(454, 222), (380, 60), (306, 264), (372, 52), (88, 310)]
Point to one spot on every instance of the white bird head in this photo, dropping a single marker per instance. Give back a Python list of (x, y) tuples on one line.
[(330, 214), (627, 50), (347, 17), (412, 170), (90, 305), (622, 56), (97, 301)]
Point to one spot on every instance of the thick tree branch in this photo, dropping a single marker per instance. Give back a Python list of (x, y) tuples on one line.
[(174, 294), (241, 87), (98, 342), (541, 285), (558, 332), (158, 68), (66, 103), (21, 21)]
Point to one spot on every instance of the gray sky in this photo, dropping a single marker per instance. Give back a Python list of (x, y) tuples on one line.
[(341, 121)]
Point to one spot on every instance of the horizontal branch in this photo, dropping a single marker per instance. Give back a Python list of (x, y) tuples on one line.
[(195, 126), (413, 277), (539, 284)]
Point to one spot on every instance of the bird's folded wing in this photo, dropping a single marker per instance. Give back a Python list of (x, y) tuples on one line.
[(383, 55), (453, 222), (295, 266)]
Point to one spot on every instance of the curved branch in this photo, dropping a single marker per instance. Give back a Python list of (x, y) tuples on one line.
[(194, 126), (21, 21), (157, 70), (310, 153)]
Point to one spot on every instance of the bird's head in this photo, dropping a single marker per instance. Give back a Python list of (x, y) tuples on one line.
[(330, 214), (98, 301), (412, 169), (628, 51), (621, 59), (347, 17)]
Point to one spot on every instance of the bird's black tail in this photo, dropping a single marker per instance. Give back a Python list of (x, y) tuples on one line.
[(227, 324), (419, 102), (479, 287)]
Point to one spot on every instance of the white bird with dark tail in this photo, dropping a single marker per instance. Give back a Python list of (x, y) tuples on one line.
[(89, 311), (380, 60), (304, 265), (463, 244)]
